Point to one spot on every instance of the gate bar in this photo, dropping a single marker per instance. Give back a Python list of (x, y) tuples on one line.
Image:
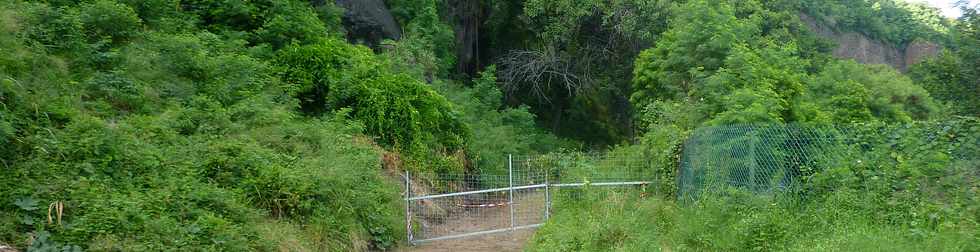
[(476, 192), (476, 233), (526, 187), (603, 184)]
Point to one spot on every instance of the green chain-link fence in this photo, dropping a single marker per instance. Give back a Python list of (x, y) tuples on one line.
[(756, 158), (764, 159)]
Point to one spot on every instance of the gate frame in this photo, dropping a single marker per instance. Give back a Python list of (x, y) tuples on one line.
[(510, 204)]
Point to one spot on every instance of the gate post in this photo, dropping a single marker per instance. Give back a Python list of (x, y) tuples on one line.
[(547, 194), (510, 174), (408, 207), (753, 162)]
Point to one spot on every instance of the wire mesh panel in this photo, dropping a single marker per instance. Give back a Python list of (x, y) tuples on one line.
[(488, 201), (454, 215), (757, 158), (479, 202)]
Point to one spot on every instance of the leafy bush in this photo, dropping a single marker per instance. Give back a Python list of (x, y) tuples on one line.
[(424, 28), (896, 22), (110, 21), (228, 15), (183, 141), (291, 22), (854, 91), (497, 130), (752, 72), (402, 111), (155, 12)]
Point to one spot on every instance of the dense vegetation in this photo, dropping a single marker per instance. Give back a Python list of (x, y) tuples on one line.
[(225, 125), (912, 188), (263, 125)]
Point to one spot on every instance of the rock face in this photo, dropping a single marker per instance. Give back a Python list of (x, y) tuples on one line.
[(919, 50), (466, 16), (369, 22), (857, 46)]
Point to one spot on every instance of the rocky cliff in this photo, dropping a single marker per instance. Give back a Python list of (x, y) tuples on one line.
[(466, 18), (861, 48)]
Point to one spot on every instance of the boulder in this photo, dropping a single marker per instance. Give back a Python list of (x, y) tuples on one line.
[(368, 22)]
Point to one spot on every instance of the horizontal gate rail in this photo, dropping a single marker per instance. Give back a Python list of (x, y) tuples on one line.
[(477, 192), (603, 184)]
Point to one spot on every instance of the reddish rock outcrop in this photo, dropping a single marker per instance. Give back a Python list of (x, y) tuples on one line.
[(861, 48)]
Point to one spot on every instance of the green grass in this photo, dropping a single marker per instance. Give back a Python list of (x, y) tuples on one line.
[(623, 221)]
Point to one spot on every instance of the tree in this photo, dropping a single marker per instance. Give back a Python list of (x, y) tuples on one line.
[(694, 47), (574, 65), (545, 76)]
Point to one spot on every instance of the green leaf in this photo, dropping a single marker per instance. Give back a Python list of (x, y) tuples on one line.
[(28, 203), (26, 220)]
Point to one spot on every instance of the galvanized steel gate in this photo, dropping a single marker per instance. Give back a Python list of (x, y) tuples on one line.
[(483, 204)]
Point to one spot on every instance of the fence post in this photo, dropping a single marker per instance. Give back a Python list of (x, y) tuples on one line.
[(408, 207), (752, 160), (547, 194), (510, 173)]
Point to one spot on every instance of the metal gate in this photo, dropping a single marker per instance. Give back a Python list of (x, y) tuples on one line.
[(518, 197)]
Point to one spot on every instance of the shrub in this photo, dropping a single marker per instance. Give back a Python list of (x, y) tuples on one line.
[(155, 12), (238, 15), (59, 28), (402, 111), (110, 21), (497, 130), (424, 29), (291, 22), (165, 147)]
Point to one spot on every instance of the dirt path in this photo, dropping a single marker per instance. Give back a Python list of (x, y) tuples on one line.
[(507, 241)]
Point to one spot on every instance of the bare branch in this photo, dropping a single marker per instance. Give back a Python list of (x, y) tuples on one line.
[(539, 73)]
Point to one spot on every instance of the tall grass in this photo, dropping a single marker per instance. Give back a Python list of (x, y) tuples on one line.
[(625, 221)]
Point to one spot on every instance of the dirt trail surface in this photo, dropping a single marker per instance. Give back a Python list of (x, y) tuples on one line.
[(506, 241), (5, 248)]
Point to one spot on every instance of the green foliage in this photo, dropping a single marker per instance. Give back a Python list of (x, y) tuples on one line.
[(497, 130), (673, 68), (901, 187), (425, 28), (893, 21), (762, 85), (155, 13), (291, 22), (402, 111), (625, 222), (228, 15), (109, 21), (153, 140), (561, 22), (913, 175), (569, 46), (748, 62), (851, 92), (753, 71), (952, 77)]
